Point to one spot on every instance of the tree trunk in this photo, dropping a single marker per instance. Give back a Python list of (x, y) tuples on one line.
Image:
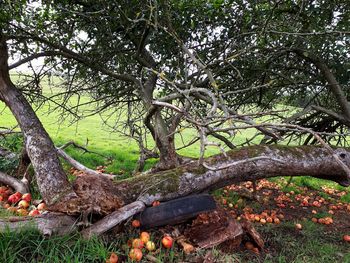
[(52, 181), (102, 196), (164, 139)]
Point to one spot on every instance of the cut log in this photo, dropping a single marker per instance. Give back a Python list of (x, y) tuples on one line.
[(48, 224), (175, 211)]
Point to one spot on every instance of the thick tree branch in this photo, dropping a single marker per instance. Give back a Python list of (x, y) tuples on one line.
[(81, 167), (48, 223), (329, 76), (113, 219), (14, 183)]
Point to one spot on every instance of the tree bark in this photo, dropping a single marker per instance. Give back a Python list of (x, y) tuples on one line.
[(52, 181), (103, 197), (48, 224)]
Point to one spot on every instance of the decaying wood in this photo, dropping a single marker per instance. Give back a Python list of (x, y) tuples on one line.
[(113, 219), (48, 224), (251, 231), (213, 228)]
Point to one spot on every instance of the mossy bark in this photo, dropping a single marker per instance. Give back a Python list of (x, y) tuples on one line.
[(101, 195)]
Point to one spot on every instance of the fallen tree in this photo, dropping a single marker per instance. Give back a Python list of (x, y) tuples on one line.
[(100, 195)]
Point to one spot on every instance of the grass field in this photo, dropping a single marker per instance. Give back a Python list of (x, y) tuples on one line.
[(316, 243)]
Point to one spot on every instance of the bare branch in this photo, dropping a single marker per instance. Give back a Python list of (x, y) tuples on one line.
[(113, 219), (14, 183), (81, 167)]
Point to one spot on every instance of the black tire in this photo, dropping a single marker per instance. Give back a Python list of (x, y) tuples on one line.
[(176, 211)]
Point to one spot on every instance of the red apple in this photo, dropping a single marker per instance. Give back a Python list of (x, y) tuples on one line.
[(346, 238), (3, 189), (34, 212), (167, 242), (113, 258), (27, 197), (135, 254), (136, 223), (15, 198), (137, 243), (156, 203)]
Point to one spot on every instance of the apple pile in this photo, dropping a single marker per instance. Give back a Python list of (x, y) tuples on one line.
[(267, 216), (144, 242), (19, 204)]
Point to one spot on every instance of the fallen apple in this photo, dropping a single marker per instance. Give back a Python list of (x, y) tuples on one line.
[(298, 226), (137, 243), (167, 242), (41, 206), (144, 237), (23, 204), (135, 223), (34, 212), (113, 258), (22, 212), (14, 198), (150, 246), (346, 238), (135, 254), (27, 197), (156, 203)]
